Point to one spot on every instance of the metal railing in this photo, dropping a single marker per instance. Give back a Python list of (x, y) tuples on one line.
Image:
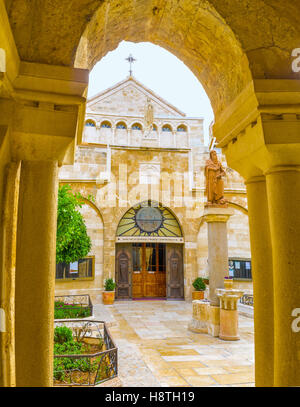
[(87, 369), (247, 299), (77, 302)]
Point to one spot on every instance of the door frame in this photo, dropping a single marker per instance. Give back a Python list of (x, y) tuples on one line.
[(127, 248)]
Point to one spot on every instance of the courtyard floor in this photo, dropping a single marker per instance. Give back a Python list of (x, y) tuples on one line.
[(155, 348)]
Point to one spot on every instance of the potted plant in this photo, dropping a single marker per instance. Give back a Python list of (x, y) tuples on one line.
[(199, 287), (228, 283), (108, 295)]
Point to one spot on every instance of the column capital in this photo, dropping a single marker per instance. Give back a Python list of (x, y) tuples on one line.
[(260, 128), (44, 111), (214, 214), (254, 180)]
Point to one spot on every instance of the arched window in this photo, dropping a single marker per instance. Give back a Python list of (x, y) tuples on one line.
[(121, 125), (147, 219), (136, 126), (167, 127), (182, 127), (90, 123), (154, 128), (105, 125)]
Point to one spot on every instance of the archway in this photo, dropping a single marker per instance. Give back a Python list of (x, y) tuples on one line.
[(213, 39), (149, 253)]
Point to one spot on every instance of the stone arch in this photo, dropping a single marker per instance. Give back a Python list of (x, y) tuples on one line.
[(182, 128), (95, 207), (138, 126), (155, 204), (238, 207), (105, 124), (121, 123), (218, 61), (167, 128), (90, 123), (95, 228), (210, 37)]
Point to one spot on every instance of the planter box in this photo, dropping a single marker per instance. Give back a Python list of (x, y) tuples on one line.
[(87, 369), (76, 303), (198, 295), (108, 297)]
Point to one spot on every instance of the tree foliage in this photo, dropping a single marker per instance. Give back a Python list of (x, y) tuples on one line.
[(72, 241)]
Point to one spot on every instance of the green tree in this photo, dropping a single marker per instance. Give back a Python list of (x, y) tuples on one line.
[(72, 241)]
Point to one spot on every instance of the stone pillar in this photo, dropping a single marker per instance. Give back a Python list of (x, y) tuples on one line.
[(7, 284), (229, 313), (262, 275), (216, 218), (35, 273), (283, 191)]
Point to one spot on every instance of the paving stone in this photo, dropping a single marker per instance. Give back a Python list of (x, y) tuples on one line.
[(156, 349)]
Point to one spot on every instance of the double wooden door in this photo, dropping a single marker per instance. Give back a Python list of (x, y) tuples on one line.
[(146, 270)]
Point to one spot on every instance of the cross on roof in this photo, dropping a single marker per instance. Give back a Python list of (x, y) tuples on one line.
[(131, 60)]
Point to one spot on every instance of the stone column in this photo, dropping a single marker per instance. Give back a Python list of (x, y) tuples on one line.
[(7, 282), (229, 313), (262, 275), (283, 191), (35, 273), (216, 218)]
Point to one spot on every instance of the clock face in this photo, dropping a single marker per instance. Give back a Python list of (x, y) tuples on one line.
[(149, 219)]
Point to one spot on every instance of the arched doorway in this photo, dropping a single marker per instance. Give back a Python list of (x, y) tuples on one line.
[(149, 253)]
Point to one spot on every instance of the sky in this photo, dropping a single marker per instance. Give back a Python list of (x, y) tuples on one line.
[(158, 70)]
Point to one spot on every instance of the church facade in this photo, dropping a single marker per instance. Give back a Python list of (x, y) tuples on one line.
[(140, 167)]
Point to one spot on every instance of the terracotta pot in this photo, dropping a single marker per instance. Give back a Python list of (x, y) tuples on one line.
[(108, 297), (198, 295), (228, 284)]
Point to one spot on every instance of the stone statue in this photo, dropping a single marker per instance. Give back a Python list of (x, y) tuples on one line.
[(214, 182), (149, 114)]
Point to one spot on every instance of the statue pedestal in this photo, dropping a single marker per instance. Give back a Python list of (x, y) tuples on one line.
[(229, 313), (216, 218)]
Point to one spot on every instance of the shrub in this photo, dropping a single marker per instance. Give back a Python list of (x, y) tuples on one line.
[(63, 334), (72, 240), (109, 284), (199, 284), (63, 311)]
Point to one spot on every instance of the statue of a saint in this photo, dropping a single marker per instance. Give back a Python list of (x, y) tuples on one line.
[(149, 114), (214, 182)]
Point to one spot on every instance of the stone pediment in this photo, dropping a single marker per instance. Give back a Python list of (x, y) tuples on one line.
[(129, 98)]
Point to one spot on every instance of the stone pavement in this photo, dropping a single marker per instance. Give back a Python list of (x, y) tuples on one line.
[(156, 349)]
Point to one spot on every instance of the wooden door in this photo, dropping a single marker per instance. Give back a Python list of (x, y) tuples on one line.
[(123, 271), (154, 270), (137, 270), (149, 270), (175, 281)]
